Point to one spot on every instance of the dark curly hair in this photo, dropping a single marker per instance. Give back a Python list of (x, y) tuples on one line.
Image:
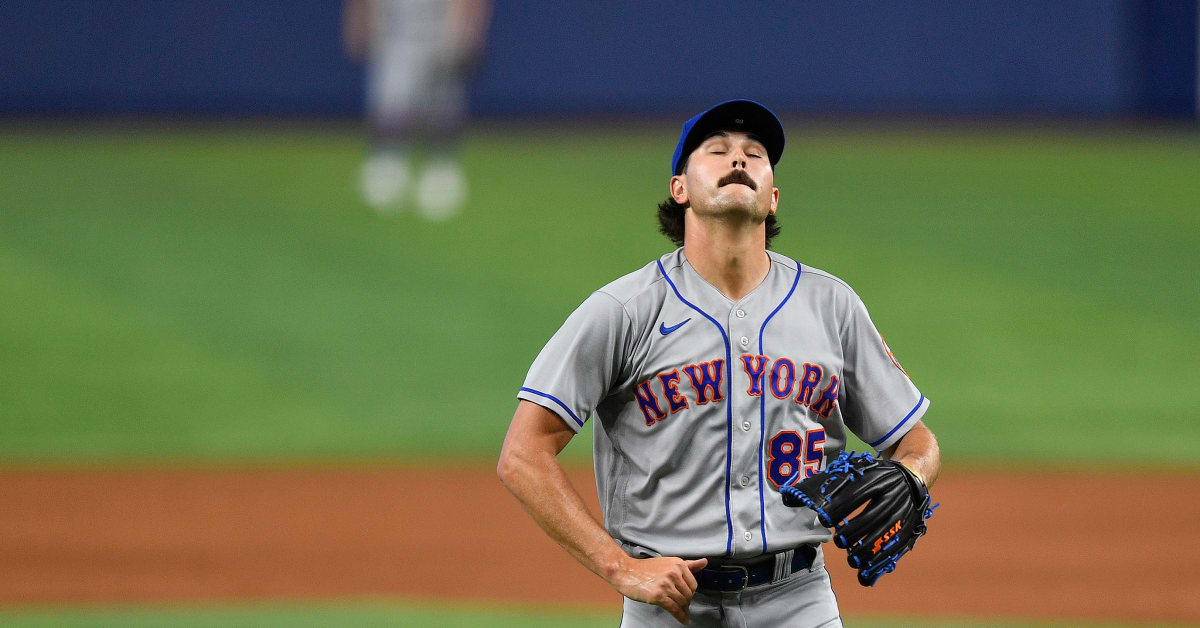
[(670, 222)]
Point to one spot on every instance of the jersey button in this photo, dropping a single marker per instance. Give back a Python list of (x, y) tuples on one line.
[(745, 479), (745, 341), (749, 536), (740, 314), (745, 426)]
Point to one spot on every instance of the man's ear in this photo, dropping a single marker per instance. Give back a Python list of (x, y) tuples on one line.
[(679, 189), (774, 199)]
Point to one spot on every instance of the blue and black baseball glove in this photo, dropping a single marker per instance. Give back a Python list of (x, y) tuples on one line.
[(897, 505)]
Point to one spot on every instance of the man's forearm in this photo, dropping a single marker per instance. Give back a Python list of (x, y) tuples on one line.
[(538, 481), (919, 451), (529, 468)]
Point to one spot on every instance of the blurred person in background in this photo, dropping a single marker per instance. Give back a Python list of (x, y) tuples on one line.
[(419, 55)]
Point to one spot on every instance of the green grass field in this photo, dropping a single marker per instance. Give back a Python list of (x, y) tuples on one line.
[(211, 295), (217, 295), (423, 615)]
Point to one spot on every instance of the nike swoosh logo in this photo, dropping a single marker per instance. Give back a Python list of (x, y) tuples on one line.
[(664, 330)]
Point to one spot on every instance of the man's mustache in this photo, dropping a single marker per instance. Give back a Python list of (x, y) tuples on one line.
[(737, 176)]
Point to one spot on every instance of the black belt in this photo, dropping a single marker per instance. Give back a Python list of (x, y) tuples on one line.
[(731, 577)]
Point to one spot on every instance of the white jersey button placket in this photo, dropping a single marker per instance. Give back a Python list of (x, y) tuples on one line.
[(745, 443)]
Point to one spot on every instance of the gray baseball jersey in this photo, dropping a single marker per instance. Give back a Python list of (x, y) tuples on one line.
[(704, 407)]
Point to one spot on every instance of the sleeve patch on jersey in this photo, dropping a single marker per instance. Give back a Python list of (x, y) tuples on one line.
[(892, 356)]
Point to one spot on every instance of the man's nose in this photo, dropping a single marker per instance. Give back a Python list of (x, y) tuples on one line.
[(739, 158)]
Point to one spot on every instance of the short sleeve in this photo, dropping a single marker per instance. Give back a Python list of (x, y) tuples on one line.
[(880, 402), (579, 365)]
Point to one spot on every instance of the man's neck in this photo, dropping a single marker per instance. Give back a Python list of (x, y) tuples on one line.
[(733, 260)]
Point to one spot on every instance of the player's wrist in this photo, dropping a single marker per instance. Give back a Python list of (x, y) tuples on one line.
[(614, 566), (912, 468)]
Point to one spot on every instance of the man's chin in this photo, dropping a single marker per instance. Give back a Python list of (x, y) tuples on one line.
[(736, 197), (738, 211)]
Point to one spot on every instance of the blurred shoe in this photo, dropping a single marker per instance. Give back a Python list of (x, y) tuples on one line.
[(383, 181), (441, 189)]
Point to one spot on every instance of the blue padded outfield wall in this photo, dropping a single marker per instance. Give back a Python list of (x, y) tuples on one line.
[(1088, 58)]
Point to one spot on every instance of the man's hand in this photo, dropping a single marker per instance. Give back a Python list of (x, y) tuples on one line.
[(529, 467), (892, 505), (667, 582)]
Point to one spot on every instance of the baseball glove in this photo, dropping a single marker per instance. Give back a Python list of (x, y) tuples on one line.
[(897, 505)]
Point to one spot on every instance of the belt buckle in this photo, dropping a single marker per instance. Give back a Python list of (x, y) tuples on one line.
[(745, 577)]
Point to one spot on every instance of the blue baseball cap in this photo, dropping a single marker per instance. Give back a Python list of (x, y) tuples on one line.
[(731, 115)]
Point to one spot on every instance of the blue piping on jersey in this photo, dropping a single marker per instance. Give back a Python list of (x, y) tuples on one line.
[(902, 422), (728, 406), (555, 400), (762, 412)]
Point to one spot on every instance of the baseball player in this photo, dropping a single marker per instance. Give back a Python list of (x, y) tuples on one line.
[(420, 55), (714, 376)]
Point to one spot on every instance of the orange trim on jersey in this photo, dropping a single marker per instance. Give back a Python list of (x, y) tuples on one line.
[(811, 467), (787, 451), (808, 383), (711, 374), (670, 386), (647, 402), (892, 356), (791, 369), (828, 398), (755, 373)]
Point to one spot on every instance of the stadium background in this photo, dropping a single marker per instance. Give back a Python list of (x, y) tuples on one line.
[(191, 285)]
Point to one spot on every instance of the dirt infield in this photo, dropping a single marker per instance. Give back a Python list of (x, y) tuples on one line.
[(1066, 546)]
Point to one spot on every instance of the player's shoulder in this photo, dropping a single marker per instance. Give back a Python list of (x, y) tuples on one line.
[(813, 279), (644, 281)]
